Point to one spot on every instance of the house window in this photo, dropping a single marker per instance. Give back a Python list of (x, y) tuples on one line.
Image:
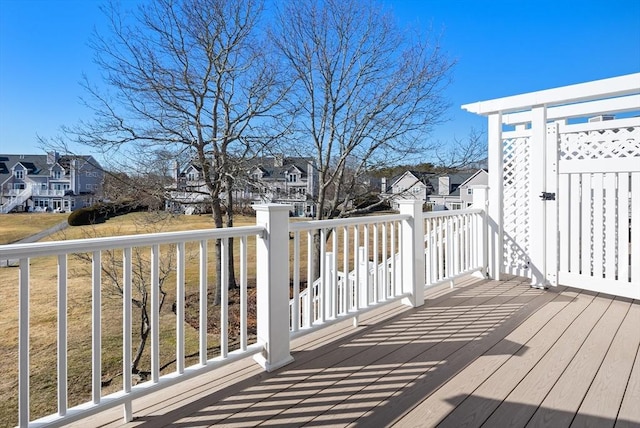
[(56, 175), (192, 176), (469, 191), (292, 178), (455, 206), (19, 174)]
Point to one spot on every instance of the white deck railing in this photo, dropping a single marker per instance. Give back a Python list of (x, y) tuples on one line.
[(17, 197), (454, 244), (98, 250), (387, 258), (354, 245)]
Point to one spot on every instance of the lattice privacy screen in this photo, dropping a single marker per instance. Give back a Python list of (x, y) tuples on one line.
[(516, 188), (600, 144)]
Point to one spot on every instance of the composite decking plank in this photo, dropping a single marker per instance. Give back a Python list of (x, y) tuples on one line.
[(308, 366), (526, 397), (364, 350), (440, 354), (629, 414), (228, 378), (176, 397), (476, 408), (561, 404), (423, 330), (432, 359), (604, 397), (447, 356), (439, 404)]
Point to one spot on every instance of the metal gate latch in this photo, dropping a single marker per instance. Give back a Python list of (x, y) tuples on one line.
[(548, 196)]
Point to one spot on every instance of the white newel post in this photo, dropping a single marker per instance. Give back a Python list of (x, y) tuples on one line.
[(413, 264), (272, 273), (495, 214), (537, 209), (481, 201)]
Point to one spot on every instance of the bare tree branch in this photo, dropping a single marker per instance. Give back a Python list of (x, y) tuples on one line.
[(367, 93)]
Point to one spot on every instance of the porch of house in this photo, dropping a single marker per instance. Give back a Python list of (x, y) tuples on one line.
[(484, 353)]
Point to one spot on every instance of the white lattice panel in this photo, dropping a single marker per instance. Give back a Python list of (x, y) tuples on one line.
[(516, 205), (601, 144)]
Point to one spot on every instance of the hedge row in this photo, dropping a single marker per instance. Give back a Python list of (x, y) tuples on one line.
[(99, 213)]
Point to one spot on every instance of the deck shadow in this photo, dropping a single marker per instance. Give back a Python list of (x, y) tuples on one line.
[(375, 375)]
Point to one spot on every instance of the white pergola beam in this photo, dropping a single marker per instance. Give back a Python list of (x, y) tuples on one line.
[(606, 88)]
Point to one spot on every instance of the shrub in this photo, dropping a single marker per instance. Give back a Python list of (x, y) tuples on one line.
[(101, 212), (85, 216)]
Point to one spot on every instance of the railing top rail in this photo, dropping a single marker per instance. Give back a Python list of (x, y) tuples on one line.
[(349, 221), (453, 213), (39, 249)]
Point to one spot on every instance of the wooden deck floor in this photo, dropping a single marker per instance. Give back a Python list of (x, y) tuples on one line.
[(486, 353)]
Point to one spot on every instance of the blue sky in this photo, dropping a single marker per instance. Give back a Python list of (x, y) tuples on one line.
[(501, 47)]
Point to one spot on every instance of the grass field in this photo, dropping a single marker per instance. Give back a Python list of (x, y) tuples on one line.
[(14, 227)]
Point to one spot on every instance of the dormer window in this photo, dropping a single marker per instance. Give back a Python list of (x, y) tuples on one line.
[(56, 174), (19, 174), (192, 176), (292, 178)]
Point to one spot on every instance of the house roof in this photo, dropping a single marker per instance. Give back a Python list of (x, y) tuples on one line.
[(421, 176), (456, 180), (472, 176), (270, 165), (36, 165)]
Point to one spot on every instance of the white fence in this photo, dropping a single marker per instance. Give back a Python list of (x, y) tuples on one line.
[(564, 177), (386, 258)]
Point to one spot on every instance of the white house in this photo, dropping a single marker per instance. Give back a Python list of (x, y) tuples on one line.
[(271, 179), (454, 191), (408, 185), (48, 182), (439, 191)]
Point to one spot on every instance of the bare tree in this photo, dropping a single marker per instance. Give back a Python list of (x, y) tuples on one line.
[(465, 154), (186, 77), (366, 95)]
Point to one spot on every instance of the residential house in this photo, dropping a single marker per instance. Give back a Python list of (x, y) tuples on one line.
[(408, 185), (48, 182), (271, 179), (454, 191), (438, 191)]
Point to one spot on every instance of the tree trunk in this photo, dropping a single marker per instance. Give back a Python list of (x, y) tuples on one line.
[(144, 335), (230, 262), (217, 219)]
